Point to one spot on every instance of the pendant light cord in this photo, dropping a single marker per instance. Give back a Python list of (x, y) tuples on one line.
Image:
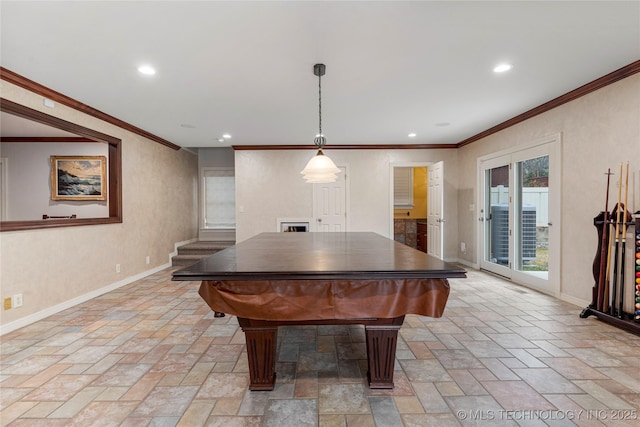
[(319, 140), (320, 105)]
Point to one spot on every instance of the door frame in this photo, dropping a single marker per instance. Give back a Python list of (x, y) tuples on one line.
[(552, 146), (391, 196)]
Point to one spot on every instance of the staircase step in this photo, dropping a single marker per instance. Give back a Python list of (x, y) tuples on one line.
[(193, 252), (203, 247), (186, 260)]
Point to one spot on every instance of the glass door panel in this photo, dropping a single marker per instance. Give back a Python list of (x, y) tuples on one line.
[(497, 220), (532, 211)]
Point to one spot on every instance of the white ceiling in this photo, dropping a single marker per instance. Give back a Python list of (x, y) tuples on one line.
[(246, 67)]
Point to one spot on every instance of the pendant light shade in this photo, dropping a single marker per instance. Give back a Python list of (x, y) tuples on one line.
[(320, 169)]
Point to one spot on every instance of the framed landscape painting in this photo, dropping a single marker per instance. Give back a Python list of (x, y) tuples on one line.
[(78, 178)]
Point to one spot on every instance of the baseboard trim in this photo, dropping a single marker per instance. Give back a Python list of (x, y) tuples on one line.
[(42, 314), (32, 318), (468, 264), (573, 300)]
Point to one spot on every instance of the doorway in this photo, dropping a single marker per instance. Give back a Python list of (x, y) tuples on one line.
[(519, 214), (416, 208), (217, 204)]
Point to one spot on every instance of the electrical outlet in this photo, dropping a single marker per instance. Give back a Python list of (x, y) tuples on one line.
[(117, 268), (463, 247), (7, 303), (17, 300), (148, 259)]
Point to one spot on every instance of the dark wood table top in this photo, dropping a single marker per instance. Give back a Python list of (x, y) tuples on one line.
[(283, 256)]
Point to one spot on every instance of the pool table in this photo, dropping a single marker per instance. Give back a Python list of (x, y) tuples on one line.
[(277, 279)]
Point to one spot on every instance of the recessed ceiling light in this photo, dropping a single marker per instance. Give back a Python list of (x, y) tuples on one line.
[(226, 136), (147, 70), (501, 68), (412, 135), (220, 139)]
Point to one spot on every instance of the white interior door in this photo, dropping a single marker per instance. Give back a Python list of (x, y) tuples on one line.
[(330, 205), (435, 211)]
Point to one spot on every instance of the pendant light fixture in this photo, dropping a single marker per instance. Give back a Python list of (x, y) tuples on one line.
[(320, 169)]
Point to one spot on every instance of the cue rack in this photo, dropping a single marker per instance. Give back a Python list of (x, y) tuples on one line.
[(614, 289)]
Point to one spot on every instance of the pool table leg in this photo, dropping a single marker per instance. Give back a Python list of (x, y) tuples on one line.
[(381, 354), (261, 354)]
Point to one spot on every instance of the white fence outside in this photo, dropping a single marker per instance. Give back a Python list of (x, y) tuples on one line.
[(531, 196)]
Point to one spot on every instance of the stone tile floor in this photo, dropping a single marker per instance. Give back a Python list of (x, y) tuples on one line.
[(152, 354)]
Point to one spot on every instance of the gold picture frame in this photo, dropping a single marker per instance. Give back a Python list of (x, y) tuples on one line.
[(78, 178)]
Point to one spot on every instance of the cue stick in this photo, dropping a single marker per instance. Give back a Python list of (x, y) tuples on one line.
[(599, 292), (624, 241), (607, 307), (614, 292)]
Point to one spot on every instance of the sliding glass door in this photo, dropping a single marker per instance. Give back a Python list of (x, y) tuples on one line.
[(519, 197)]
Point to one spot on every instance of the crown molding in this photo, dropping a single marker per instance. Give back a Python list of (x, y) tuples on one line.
[(346, 147), (583, 90), (18, 80)]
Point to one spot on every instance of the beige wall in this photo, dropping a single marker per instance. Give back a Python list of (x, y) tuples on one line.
[(598, 131), (52, 267), (269, 186)]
